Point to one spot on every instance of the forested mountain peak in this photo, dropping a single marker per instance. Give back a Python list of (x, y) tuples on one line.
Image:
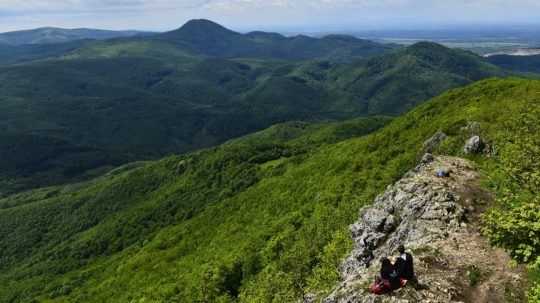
[(201, 28)]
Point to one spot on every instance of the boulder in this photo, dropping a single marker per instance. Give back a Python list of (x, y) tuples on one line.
[(375, 219), (432, 143), (310, 298), (474, 145), (427, 158)]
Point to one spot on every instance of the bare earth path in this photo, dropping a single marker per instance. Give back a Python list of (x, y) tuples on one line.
[(438, 220)]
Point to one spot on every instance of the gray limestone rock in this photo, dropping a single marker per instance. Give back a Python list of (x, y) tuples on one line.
[(432, 143), (415, 211), (474, 145)]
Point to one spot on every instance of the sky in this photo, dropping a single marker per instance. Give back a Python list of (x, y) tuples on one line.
[(279, 15)]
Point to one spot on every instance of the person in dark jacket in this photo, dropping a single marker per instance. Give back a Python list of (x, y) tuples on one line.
[(405, 265), (390, 274)]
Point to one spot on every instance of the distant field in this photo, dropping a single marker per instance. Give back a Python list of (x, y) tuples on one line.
[(481, 40), (517, 52), (481, 47)]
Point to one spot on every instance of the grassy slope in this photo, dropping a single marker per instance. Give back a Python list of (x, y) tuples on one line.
[(256, 219), (199, 180)]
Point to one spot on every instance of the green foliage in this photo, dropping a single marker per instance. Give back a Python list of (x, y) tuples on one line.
[(515, 224), (260, 219), (517, 229), (533, 295), (474, 275), (97, 226)]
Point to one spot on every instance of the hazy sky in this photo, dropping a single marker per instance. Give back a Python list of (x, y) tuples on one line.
[(311, 15)]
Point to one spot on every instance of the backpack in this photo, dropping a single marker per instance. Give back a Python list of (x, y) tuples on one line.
[(380, 287)]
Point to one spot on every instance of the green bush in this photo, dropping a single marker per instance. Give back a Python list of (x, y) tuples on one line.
[(474, 275), (533, 295)]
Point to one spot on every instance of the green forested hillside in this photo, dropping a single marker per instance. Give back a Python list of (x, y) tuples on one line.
[(395, 83), (12, 54), (112, 102), (263, 218)]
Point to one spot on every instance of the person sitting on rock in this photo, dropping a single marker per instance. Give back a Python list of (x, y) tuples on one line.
[(405, 265), (388, 279)]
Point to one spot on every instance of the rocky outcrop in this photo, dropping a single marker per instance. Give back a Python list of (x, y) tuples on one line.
[(475, 145), (431, 216), (432, 143)]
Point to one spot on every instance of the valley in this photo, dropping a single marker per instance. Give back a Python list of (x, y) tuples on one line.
[(108, 103)]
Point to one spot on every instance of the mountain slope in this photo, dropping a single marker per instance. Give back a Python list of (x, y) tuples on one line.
[(397, 82), (387, 84), (13, 54), (257, 220), (137, 101), (52, 35)]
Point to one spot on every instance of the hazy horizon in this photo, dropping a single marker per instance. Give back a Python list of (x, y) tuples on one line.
[(279, 15)]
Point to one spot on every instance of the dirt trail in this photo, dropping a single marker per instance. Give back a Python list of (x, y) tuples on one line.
[(483, 273), (439, 221)]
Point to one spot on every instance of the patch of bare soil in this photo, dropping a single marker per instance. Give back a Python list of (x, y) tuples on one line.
[(476, 271)]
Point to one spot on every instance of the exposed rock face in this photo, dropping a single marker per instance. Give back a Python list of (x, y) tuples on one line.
[(474, 145), (432, 143), (429, 216)]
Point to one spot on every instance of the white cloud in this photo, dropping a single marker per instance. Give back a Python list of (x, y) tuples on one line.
[(166, 14)]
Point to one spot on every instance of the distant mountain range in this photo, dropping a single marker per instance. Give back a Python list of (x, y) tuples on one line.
[(211, 39), (51, 35), (196, 38)]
